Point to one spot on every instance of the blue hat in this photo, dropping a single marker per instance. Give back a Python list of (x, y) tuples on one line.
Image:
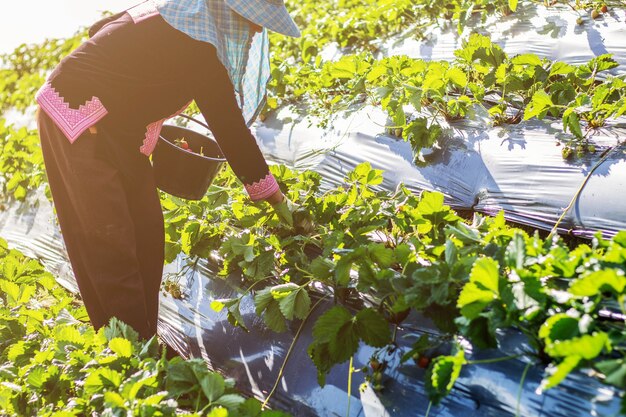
[(271, 14)]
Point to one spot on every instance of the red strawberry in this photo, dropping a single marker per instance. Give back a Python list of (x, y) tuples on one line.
[(184, 145), (423, 361), (604, 8)]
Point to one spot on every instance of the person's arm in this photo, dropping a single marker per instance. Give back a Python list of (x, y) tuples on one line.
[(215, 97), (102, 22)]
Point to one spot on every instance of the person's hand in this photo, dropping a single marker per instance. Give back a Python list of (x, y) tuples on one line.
[(285, 210), (293, 215)]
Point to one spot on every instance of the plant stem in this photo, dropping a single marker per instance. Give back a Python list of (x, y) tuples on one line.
[(521, 385), (430, 404), (349, 385), (293, 343), (607, 153)]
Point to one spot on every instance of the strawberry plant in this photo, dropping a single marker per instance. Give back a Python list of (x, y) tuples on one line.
[(380, 255), (21, 161), (56, 364)]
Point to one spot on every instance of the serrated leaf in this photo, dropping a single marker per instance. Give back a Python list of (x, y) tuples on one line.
[(372, 327), (485, 274), (614, 371), (121, 347), (561, 68), (327, 325), (114, 399), (380, 254), (612, 280), (342, 271), (538, 105), (37, 376), (442, 374), (218, 412), (557, 373), (262, 300), (230, 401), (559, 327), (212, 385), (586, 346), (274, 318), (516, 251), (322, 268), (526, 59), (296, 305)]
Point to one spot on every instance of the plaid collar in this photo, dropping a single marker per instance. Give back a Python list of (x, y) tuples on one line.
[(244, 54)]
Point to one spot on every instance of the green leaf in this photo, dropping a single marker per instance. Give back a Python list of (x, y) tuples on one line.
[(442, 375), (430, 202), (37, 376), (482, 288), (114, 399), (614, 371), (559, 327), (516, 251), (538, 106), (561, 68), (230, 401), (274, 318), (212, 385), (421, 134), (218, 412), (513, 5), (457, 76), (557, 373), (586, 346), (473, 300), (102, 379), (297, 304), (322, 268), (121, 347), (485, 274), (372, 327), (217, 306), (571, 121), (328, 324), (263, 299), (526, 59), (342, 271), (380, 254), (606, 280), (345, 344)]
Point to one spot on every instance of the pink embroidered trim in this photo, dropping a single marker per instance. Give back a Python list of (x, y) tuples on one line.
[(153, 130), (72, 122), (264, 188), (143, 11)]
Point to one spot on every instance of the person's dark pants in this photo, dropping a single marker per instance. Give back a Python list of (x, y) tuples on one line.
[(112, 227)]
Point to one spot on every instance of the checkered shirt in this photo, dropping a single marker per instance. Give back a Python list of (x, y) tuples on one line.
[(244, 53)]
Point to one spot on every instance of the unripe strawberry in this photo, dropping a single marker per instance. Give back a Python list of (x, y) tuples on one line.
[(595, 14)]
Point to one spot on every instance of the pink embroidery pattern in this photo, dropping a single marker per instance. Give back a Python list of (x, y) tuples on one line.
[(143, 11), (72, 122), (263, 188), (152, 133)]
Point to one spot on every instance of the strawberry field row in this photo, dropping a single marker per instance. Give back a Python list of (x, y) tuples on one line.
[(423, 97), (396, 253)]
